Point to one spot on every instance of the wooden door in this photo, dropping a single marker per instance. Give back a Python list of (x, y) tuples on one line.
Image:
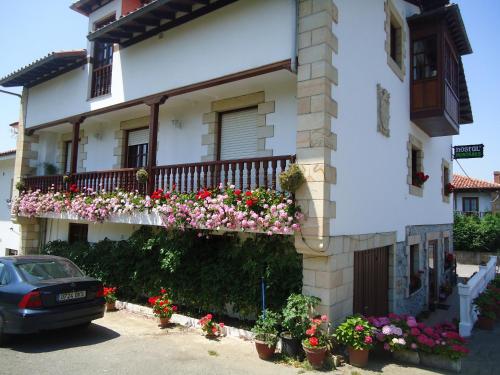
[(371, 282)]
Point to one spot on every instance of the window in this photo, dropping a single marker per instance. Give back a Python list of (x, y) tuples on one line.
[(11, 252), (451, 68), (395, 42), (4, 275), (416, 166), (470, 204), (238, 138), (415, 277), (425, 58), (33, 271), (137, 148), (77, 233), (67, 156), (395, 39), (102, 63)]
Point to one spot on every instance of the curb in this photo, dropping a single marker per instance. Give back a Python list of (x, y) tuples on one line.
[(183, 320)]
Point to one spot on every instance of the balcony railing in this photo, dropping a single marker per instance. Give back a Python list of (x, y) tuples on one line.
[(473, 213), (243, 173)]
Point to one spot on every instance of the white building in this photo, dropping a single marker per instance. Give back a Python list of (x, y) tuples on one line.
[(476, 197), (9, 232), (364, 95)]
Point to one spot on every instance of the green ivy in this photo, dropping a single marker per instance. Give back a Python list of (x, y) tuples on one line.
[(202, 272)]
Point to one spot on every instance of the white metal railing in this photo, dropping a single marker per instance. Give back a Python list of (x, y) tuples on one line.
[(468, 292)]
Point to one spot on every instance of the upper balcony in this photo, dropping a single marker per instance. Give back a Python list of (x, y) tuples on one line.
[(439, 97)]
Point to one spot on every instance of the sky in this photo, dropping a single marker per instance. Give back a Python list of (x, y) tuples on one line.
[(30, 29)]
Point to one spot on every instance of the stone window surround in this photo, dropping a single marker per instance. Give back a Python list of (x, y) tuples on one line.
[(212, 120), (445, 164), (120, 152), (393, 16), (82, 153), (414, 142), (413, 240)]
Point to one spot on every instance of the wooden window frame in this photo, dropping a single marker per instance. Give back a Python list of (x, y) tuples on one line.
[(395, 43), (126, 146), (104, 71), (476, 199), (67, 144), (218, 148), (82, 231)]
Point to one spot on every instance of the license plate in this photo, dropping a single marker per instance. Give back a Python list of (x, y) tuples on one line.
[(71, 295)]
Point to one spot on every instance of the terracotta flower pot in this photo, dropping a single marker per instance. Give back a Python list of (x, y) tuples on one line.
[(316, 356), (263, 350), (164, 322), (358, 357), (110, 306), (485, 323)]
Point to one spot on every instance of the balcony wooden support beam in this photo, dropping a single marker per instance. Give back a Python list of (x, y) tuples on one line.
[(74, 143), (154, 110)]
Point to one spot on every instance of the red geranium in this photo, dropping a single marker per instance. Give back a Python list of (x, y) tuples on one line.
[(110, 294), (209, 326), (73, 188), (203, 194), (162, 305), (313, 341)]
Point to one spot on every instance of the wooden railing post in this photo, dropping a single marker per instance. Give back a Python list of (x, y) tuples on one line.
[(154, 109), (74, 143)]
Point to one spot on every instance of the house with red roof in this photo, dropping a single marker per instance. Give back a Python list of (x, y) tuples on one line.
[(476, 197)]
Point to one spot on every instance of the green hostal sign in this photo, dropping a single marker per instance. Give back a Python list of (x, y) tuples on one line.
[(468, 152)]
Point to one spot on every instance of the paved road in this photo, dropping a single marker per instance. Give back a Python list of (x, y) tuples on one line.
[(122, 343)]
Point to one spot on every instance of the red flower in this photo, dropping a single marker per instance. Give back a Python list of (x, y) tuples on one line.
[(249, 202), (73, 188), (203, 194), (313, 341), (237, 192), (163, 291), (248, 193)]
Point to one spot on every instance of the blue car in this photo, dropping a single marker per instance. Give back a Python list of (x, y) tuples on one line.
[(39, 293)]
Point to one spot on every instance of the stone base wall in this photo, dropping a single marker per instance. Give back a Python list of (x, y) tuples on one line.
[(402, 302), (476, 258)]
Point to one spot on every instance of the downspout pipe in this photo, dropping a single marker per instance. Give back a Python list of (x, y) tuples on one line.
[(295, 51)]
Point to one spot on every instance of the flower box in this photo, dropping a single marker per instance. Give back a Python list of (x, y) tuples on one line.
[(440, 362), (407, 356)]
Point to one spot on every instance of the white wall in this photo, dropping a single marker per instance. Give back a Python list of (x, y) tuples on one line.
[(372, 194), (484, 200), (240, 36), (177, 146), (58, 230), (9, 232)]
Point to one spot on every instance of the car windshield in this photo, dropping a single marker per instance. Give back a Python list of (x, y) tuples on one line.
[(39, 270)]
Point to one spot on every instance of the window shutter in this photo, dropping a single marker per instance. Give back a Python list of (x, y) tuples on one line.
[(239, 134), (138, 137)]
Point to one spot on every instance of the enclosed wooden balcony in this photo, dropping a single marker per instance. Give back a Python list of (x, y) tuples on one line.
[(245, 174), (438, 90)]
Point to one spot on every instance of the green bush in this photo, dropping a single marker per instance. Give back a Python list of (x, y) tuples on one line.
[(471, 233), (202, 272)]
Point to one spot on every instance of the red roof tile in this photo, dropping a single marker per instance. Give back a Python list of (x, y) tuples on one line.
[(466, 183)]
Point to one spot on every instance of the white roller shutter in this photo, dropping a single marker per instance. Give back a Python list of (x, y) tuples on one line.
[(239, 134), (138, 137)]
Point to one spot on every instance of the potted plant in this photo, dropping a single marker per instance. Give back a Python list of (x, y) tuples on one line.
[(316, 342), (296, 319), (448, 189), (210, 327), (142, 176), (292, 178), (486, 306), (356, 333), (266, 333), (162, 307), (110, 297), (420, 178)]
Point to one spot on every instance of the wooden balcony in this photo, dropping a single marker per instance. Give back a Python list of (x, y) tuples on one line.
[(245, 174)]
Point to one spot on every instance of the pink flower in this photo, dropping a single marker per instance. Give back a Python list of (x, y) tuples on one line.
[(368, 340), (324, 318), (359, 328)]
